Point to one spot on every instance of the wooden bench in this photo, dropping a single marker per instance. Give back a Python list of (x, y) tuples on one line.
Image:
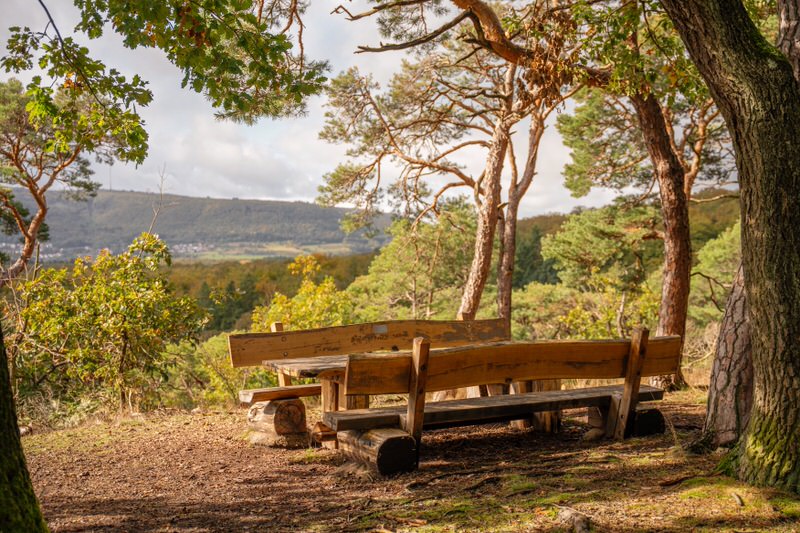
[(388, 439), (285, 347)]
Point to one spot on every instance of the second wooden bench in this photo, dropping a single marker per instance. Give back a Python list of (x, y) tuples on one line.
[(389, 439)]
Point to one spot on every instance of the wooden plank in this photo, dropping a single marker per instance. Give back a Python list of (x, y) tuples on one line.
[(355, 401), (415, 412), (251, 396), (251, 349), (633, 378), (486, 409), (309, 367), (284, 379), (505, 362)]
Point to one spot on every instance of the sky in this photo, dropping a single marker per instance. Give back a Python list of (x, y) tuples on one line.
[(274, 159)]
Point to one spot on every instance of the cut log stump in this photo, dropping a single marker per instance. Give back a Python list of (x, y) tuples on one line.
[(387, 451), (278, 423), (646, 421)]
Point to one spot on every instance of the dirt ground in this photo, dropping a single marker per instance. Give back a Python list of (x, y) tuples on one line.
[(196, 472)]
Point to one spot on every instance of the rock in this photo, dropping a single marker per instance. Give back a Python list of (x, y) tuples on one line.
[(572, 518)]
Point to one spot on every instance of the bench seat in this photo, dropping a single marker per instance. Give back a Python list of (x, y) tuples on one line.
[(485, 409), (251, 396)]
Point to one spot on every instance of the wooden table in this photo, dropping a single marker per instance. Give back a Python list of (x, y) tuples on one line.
[(329, 370)]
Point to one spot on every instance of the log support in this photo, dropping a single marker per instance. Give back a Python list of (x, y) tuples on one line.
[(278, 423), (644, 421), (386, 451)]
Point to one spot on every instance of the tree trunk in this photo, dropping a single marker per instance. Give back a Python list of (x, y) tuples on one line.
[(505, 268), (754, 87), (516, 191), (675, 212), (488, 200), (19, 509), (730, 393), (789, 32), (487, 223)]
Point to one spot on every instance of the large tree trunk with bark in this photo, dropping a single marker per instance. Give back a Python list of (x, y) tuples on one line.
[(754, 87), (730, 392), (19, 509), (675, 212)]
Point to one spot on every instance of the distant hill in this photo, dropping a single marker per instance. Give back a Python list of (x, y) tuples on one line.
[(197, 227)]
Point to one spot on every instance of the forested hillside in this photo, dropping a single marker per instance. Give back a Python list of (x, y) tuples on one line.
[(196, 227)]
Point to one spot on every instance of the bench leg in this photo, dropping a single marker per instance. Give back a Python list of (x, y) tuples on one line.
[(329, 396), (522, 387), (643, 421), (549, 421)]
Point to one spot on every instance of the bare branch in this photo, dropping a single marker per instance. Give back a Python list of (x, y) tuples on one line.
[(415, 42)]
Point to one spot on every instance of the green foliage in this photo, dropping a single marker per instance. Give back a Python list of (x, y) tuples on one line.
[(537, 308), (603, 257), (611, 243), (607, 312), (316, 304), (91, 106), (202, 375), (608, 149), (422, 271), (640, 54), (227, 49), (558, 311), (711, 218), (103, 324), (530, 265), (713, 275)]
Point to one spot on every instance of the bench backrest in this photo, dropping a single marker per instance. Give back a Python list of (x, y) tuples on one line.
[(504, 362), (251, 349)]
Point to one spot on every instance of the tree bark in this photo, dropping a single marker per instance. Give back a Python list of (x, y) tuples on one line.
[(675, 213), (517, 191), (754, 87), (789, 32), (19, 509), (730, 392), (487, 223)]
